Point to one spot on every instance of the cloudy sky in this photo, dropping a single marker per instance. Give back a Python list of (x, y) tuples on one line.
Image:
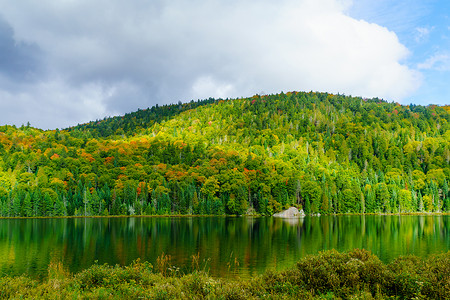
[(71, 61)]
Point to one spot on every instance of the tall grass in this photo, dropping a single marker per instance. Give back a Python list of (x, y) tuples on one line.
[(357, 274)]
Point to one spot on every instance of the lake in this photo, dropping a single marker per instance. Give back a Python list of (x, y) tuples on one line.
[(226, 246)]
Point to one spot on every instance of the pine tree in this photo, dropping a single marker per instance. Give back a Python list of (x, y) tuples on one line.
[(27, 206), (307, 205)]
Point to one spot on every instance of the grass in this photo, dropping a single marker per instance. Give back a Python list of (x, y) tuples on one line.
[(357, 274)]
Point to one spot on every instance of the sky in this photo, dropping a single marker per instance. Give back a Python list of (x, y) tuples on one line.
[(72, 61)]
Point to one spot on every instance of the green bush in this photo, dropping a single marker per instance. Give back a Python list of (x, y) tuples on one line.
[(343, 274), (357, 274)]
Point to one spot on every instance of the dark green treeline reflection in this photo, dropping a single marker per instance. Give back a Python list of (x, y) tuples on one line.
[(226, 246)]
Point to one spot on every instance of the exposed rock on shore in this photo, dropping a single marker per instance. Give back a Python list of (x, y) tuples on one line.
[(291, 212)]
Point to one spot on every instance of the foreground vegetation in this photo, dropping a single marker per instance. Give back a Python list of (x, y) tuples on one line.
[(356, 274), (322, 152)]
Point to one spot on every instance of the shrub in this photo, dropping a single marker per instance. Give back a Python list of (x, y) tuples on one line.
[(341, 273), (357, 274)]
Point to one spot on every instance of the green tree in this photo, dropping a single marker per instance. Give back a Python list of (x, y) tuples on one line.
[(27, 206)]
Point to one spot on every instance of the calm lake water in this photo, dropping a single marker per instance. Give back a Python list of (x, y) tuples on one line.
[(226, 246)]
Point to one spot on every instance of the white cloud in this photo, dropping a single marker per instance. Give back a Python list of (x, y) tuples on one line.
[(206, 86), (422, 33), (125, 55), (439, 62)]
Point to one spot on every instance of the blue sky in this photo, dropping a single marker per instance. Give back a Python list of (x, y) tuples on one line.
[(423, 26), (69, 62)]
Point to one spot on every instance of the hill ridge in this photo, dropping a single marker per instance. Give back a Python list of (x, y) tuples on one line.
[(325, 153)]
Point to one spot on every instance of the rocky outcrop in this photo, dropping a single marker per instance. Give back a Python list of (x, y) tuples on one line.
[(291, 212)]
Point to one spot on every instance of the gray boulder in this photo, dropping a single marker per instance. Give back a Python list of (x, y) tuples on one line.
[(291, 212)]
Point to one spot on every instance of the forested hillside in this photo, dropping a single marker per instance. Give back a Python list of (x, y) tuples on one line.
[(325, 153)]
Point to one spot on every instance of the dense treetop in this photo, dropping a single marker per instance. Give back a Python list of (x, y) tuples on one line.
[(322, 152)]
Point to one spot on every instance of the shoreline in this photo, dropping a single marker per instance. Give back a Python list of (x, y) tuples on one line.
[(230, 216), (356, 274)]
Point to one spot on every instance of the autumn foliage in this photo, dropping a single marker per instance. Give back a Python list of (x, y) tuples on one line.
[(324, 153)]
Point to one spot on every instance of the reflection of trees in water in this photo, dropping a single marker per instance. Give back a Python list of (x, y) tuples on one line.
[(243, 245)]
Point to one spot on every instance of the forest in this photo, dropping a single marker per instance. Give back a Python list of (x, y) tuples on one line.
[(320, 152)]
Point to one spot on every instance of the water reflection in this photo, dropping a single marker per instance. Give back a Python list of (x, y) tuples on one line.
[(244, 246), (293, 221)]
